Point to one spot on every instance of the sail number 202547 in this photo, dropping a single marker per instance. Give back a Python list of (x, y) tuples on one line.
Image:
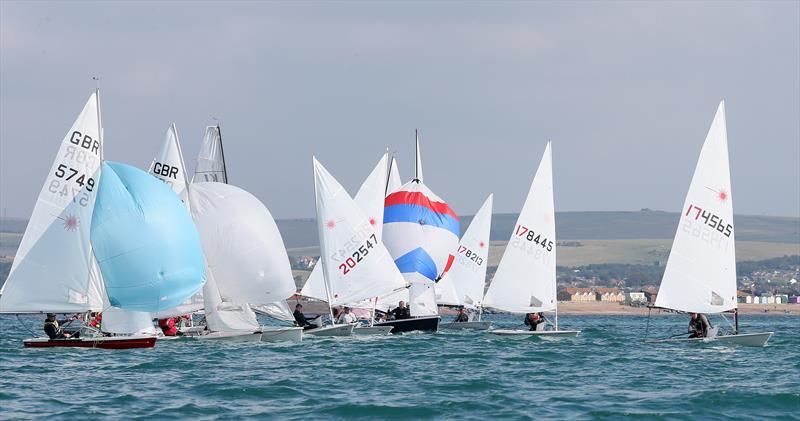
[(528, 234), (358, 255), (710, 219)]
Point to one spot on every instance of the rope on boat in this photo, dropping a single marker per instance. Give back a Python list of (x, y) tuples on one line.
[(25, 326)]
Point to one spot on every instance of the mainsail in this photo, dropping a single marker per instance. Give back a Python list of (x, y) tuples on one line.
[(51, 269), (700, 276), (147, 248), (211, 158), (463, 285), (369, 199), (355, 264), (421, 233), (168, 165), (525, 280)]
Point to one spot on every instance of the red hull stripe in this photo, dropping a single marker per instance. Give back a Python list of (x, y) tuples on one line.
[(115, 344), (417, 198)]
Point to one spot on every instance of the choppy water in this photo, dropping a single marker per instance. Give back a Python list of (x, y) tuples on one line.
[(606, 373)]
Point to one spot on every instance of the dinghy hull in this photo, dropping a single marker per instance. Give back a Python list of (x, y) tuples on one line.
[(466, 325), (335, 330), (105, 342), (537, 333), (424, 324), (230, 336), (742, 339), (372, 331), (281, 334)]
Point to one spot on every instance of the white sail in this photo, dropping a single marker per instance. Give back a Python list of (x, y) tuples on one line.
[(242, 245), (51, 270), (395, 182), (369, 199), (355, 262), (168, 165), (226, 316), (119, 321), (211, 159), (525, 280), (700, 276), (463, 285), (418, 161)]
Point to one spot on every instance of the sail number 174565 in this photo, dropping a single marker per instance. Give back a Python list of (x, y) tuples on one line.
[(710, 219)]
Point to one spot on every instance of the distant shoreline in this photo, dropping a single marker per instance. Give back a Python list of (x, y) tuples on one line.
[(615, 309)]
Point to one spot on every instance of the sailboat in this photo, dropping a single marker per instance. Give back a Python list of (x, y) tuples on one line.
[(247, 262), (168, 166), (102, 234), (700, 276), (369, 200), (421, 231), (355, 264), (463, 285), (525, 281)]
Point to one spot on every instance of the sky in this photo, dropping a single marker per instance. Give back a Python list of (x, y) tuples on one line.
[(626, 91)]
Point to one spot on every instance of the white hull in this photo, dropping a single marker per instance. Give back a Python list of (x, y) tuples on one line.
[(466, 325), (537, 333), (335, 330), (372, 331), (743, 339), (230, 336), (281, 334)]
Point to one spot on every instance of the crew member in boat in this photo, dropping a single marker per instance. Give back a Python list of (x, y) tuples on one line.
[(300, 318), (97, 321), (54, 330), (534, 320), (401, 312), (168, 327), (347, 316), (462, 316), (699, 325)]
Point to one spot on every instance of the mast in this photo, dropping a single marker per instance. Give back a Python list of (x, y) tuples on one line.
[(321, 260), (388, 172), (418, 160), (222, 152), (99, 121)]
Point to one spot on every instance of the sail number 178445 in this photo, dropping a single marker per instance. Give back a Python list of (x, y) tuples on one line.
[(528, 234), (710, 219)]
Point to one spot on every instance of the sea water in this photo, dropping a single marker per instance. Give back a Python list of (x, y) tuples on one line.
[(607, 372)]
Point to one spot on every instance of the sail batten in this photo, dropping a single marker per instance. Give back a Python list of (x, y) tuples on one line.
[(700, 275)]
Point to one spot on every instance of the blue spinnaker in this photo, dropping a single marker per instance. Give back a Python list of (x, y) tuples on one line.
[(145, 242)]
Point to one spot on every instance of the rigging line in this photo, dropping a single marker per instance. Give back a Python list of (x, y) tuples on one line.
[(647, 328), (25, 326)]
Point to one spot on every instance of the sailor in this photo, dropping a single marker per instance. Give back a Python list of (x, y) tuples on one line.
[(534, 320), (168, 327), (346, 316), (462, 316), (699, 325), (53, 328), (300, 318), (401, 312), (97, 321)]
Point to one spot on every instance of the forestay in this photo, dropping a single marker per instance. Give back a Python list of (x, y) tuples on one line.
[(51, 269), (464, 283), (421, 233), (369, 199), (146, 246), (700, 276), (355, 263), (525, 280), (211, 158), (242, 244)]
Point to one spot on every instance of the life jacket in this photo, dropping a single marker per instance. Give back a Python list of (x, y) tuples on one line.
[(54, 323)]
